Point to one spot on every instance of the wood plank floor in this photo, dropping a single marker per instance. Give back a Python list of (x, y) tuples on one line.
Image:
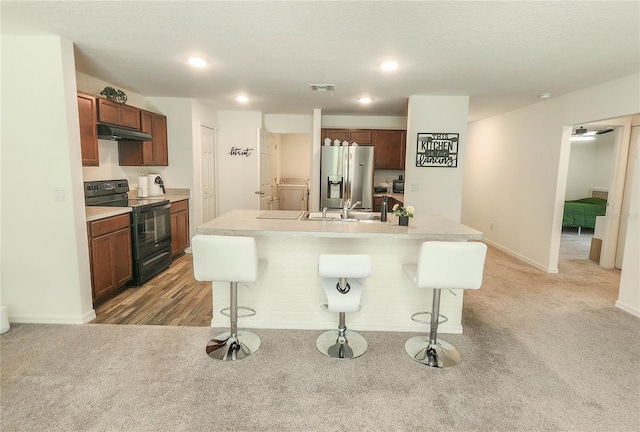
[(171, 298)]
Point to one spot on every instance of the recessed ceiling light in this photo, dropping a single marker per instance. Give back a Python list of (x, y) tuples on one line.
[(242, 99), (389, 65), (365, 100), (544, 95), (197, 62)]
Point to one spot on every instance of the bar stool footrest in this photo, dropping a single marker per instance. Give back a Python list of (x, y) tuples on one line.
[(421, 321), (227, 312)]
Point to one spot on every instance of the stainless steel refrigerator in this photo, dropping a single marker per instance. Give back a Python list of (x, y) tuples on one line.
[(346, 172)]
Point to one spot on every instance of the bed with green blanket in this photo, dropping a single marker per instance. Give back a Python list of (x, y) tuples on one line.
[(582, 213)]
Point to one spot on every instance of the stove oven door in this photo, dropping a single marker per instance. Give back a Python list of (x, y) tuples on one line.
[(151, 230)]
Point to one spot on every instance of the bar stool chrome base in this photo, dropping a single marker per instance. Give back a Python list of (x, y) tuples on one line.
[(227, 348), (439, 355), (349, 346)]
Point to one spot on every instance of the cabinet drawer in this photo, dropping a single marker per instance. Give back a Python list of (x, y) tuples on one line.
[(179, 206), (105, 226)]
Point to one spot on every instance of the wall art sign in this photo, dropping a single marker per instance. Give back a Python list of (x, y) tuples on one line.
[(237, 151), (437, 150)]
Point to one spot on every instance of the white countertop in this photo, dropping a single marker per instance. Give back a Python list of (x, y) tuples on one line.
[(94, 213), (421, 227)]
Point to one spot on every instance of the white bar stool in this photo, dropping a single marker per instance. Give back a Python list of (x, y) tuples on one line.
[(229, 259), (442, 265), (343, 296)]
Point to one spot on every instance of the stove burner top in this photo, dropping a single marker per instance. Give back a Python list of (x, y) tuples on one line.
[(129, 202), (113, 193)]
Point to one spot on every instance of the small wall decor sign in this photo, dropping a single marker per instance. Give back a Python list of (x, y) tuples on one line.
[(437, 150), (237, 151)]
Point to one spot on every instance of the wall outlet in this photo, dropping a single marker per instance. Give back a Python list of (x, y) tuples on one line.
[(59, 194), (415, 187), (491, 226)]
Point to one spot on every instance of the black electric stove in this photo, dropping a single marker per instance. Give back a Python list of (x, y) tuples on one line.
[(150, 225)]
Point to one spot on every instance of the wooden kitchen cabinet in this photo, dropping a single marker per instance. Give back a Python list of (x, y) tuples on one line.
[(147, 153), (361, 136), (88, 133), (116, 113), (110, 255), (377, 204), (179, 227), (390, 148)]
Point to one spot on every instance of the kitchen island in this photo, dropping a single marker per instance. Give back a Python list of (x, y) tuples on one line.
[(289, 293)]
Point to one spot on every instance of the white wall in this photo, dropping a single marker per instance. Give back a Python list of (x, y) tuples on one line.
[(288, 123), (590, 166), (436, 189), (514, 186), (295, 155), (45, 261), (239, 176)]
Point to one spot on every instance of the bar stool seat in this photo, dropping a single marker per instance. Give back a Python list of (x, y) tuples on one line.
[(229, 259), (442, 265), (343, 296)]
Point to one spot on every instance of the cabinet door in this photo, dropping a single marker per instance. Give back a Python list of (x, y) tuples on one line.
[(160, 146), (129, 116), (179, 227), (88, 133), (341, 134), (102, 265), (389, 149), (361, 136), (377, 204), (108, 111), (123, 262)]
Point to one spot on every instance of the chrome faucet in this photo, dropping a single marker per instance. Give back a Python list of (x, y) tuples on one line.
[(324, 213), (347, 207)]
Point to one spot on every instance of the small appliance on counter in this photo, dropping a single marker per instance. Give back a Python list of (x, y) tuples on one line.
[(156, 185), (143, 187), (398, 185)]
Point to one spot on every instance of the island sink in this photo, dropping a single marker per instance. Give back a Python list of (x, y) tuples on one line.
[(354, 216)]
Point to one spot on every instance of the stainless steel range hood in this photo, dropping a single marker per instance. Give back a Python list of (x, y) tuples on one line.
[(117, 133)]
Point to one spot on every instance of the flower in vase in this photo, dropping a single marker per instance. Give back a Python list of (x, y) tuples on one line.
[(399, 210)]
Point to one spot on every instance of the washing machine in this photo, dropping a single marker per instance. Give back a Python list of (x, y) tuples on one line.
[(293, 193)]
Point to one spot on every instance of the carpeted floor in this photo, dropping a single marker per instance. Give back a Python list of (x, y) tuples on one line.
[(540, 353)]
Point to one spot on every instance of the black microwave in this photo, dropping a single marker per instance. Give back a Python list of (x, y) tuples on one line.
[(398, 186)]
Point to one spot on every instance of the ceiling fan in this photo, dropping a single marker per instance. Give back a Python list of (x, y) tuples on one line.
[(583, 134)]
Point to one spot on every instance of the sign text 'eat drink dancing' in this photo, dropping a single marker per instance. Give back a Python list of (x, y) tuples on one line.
[(437, 150)]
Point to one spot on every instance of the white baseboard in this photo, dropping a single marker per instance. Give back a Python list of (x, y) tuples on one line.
[(53, 319), (521, 258), (627, 308)]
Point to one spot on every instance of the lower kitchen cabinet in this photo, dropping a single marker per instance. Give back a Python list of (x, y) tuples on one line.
[(110, 255), (377, 203), (179, 227)]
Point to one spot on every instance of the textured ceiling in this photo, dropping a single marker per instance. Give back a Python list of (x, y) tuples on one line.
[(501, 54)]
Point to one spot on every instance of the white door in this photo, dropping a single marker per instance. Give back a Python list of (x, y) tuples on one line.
[(208, 173), (265, 170)]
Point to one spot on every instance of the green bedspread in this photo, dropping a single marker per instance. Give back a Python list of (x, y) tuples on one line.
[(582, 213)]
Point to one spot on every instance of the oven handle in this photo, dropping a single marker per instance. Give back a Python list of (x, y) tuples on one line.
[(162, 255)]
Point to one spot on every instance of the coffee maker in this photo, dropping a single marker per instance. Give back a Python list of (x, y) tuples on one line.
[(156, 185)]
